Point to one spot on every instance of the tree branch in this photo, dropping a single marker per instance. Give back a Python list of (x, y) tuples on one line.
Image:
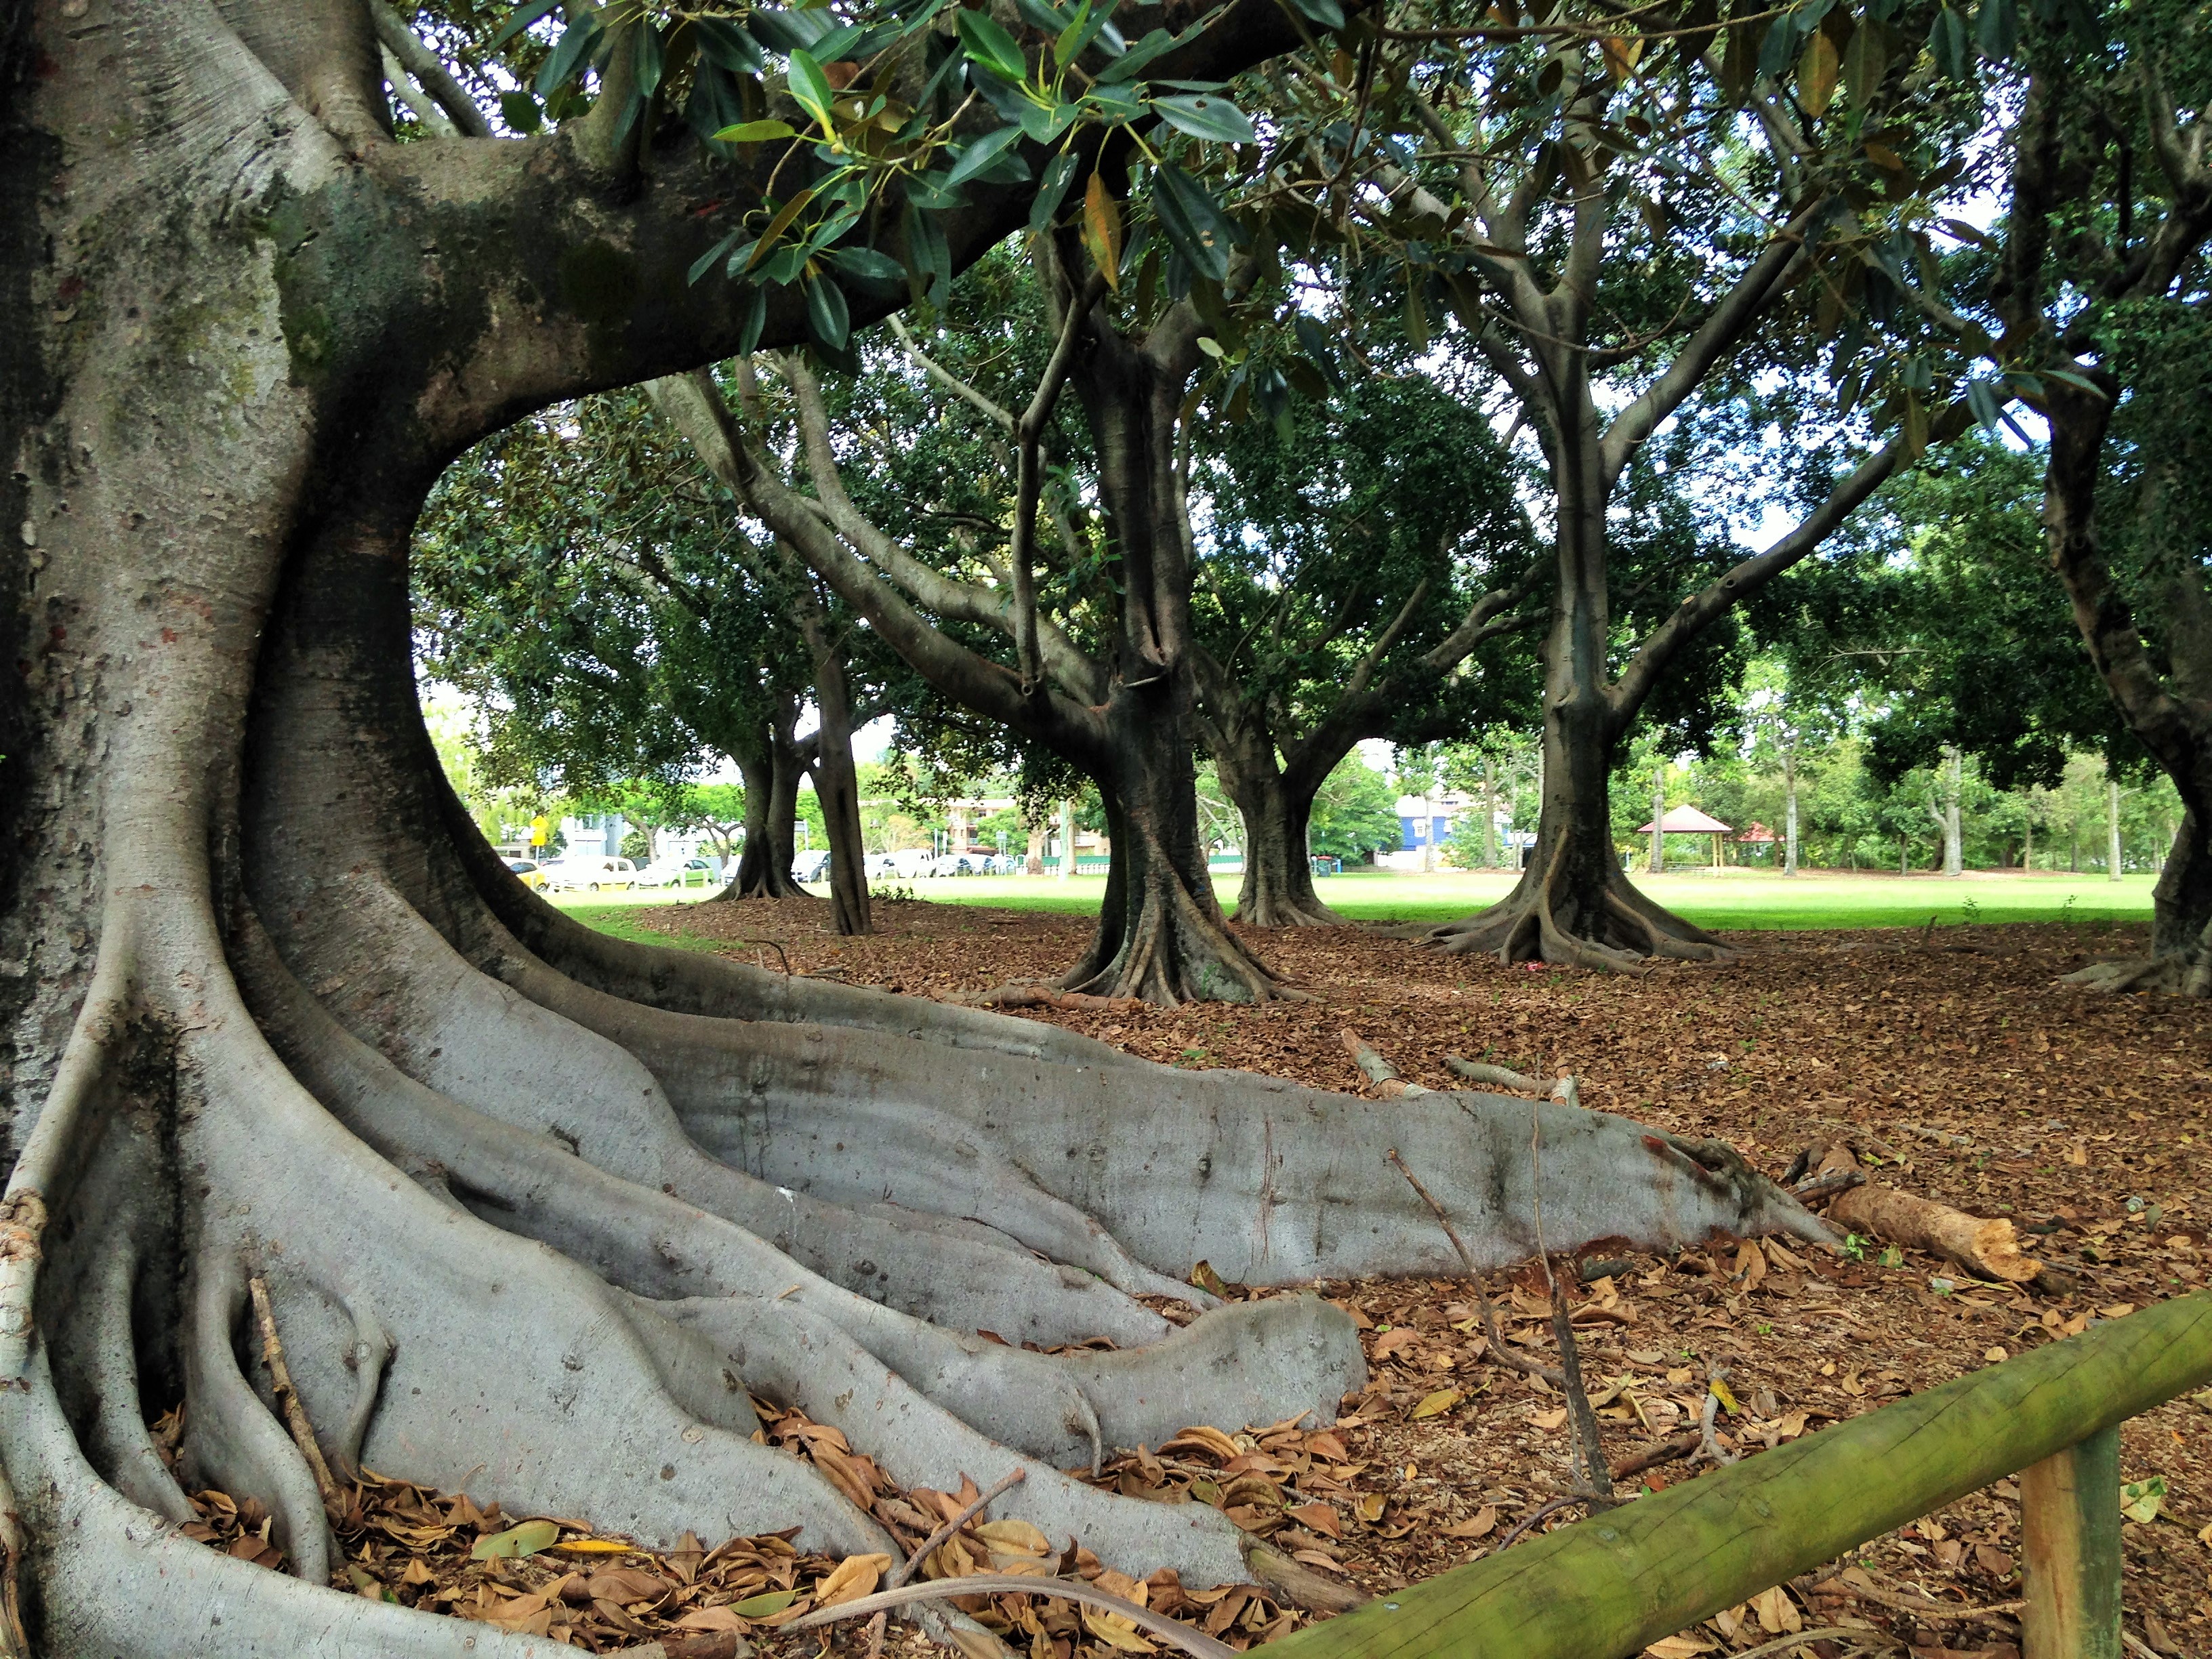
[(946, 377), (1691, 618), (423, 64), (1028, 442)]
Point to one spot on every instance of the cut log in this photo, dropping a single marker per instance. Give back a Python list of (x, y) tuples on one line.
[(1986, 1249), (1379, 1071)]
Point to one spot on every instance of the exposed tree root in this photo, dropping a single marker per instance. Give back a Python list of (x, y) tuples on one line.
[(1549, 918), (2178, 973)]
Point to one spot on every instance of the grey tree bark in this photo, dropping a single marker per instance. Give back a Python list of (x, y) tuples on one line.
[(1950, 787), (1790, 810), (447, 1124)]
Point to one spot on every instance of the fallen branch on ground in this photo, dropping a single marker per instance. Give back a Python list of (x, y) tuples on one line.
[(1294, 1580), (1665, 1451), (1192, 1642), (1381, 1074), (1987, 1248), (1921, 1606), (1564, 1090), (1830, 1633)]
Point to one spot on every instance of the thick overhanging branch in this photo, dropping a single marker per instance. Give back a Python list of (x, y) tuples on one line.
[(429, 73), (1695, 613)]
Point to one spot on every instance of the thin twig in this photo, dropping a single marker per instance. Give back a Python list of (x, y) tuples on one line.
[(1830, 1633), (287, 1397), (1582, 1421), (1504, 1355), (1192, 1642), (1917, 1606), (773, 946), (1549, 1506), (1504, 1077), (1664, 1451), (1705, 1415), (905, 1570)]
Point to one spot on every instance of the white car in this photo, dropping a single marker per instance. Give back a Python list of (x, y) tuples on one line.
[(679, 872), (811, 866), (589, 874)]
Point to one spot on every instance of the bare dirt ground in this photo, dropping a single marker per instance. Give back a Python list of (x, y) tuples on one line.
[(2083, 1118)]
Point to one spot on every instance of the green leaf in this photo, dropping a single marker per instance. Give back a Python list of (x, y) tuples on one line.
[(567, 56), (1816, 74), (827, 316), (929, 256), (1864, 60), (981, 154), (1073, 41), (1947, 41), (1326, 12), (1058, 174), (1159, 40), (869, 266), (649, 59), (748, 336), (705, 262), (519, 111), (724, 43), (990, 45), (527, 1539), (754, 132), (777, 226), (1216, 119), (1996, 28), (1042, 125), (812, 89), (1202, 233), (524, 17), (761, 1606)]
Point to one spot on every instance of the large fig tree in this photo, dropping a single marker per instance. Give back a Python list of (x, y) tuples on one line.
[(535, 1208)]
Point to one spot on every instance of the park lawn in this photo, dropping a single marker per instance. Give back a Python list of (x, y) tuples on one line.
[(1732, 899)]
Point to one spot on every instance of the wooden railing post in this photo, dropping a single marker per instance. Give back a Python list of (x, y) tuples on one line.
[(2070, 1507)]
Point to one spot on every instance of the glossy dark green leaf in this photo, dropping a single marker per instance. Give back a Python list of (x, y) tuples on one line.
[(1996, 28), (1194, 225), (789, 31), (929, 257), (810, 86), (1127, 65), (981, 154), (705, 262), (991, 47), (1947, 43), (827, 318), (1326, 12), (755, 132), (519, 111), (568, 54), (756, 322), (723, 41), (1052, 188), (648, 59), (868, 266), (1205, 116)]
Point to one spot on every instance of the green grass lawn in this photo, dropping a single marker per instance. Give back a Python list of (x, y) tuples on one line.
[(1734, 898)]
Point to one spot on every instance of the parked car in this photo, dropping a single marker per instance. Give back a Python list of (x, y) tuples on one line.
[(879, 866), (811, 866), (589, 874), (911, 862), (956, 864), (680, 872), (526, 871)]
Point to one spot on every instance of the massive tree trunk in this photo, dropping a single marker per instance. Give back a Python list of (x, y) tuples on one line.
[(1276, 805), (836, 783), (771, 773), (1574, 904), (537, 1209)]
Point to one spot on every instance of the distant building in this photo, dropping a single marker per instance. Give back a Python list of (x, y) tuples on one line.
[(1423, 824)]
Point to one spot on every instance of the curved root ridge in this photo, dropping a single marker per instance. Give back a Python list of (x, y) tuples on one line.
[(231, 1441), (799, 1358), (120, 1561), (484, 1044), (101, 1377)]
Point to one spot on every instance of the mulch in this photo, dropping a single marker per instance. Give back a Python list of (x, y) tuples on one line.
[(2082, 1117)]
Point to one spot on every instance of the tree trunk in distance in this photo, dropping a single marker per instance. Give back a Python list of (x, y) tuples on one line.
[(1955, 863), (2027, 844), (1789, 812), (836, 783), (1428, 833), (1658, 815), (1278, 886), (1034, 864), (1574, 904), (771, 779), (2112, 830), (1067, 840)]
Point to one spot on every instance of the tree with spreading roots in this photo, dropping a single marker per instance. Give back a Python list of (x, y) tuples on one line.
[(1634, 249), (535, 1208)]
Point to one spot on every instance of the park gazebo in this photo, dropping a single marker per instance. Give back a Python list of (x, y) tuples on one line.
[(1689, 821)]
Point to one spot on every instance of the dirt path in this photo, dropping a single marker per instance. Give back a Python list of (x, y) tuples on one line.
[(2082, 1117)]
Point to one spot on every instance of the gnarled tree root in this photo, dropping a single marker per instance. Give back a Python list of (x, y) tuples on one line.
[(2176, 973), (1616, 930)]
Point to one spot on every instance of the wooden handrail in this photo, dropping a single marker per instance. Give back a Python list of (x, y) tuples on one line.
[(1606, 1586)]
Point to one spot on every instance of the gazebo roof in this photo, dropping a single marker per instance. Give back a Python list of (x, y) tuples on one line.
[(1687, 821), (1757, 831)]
